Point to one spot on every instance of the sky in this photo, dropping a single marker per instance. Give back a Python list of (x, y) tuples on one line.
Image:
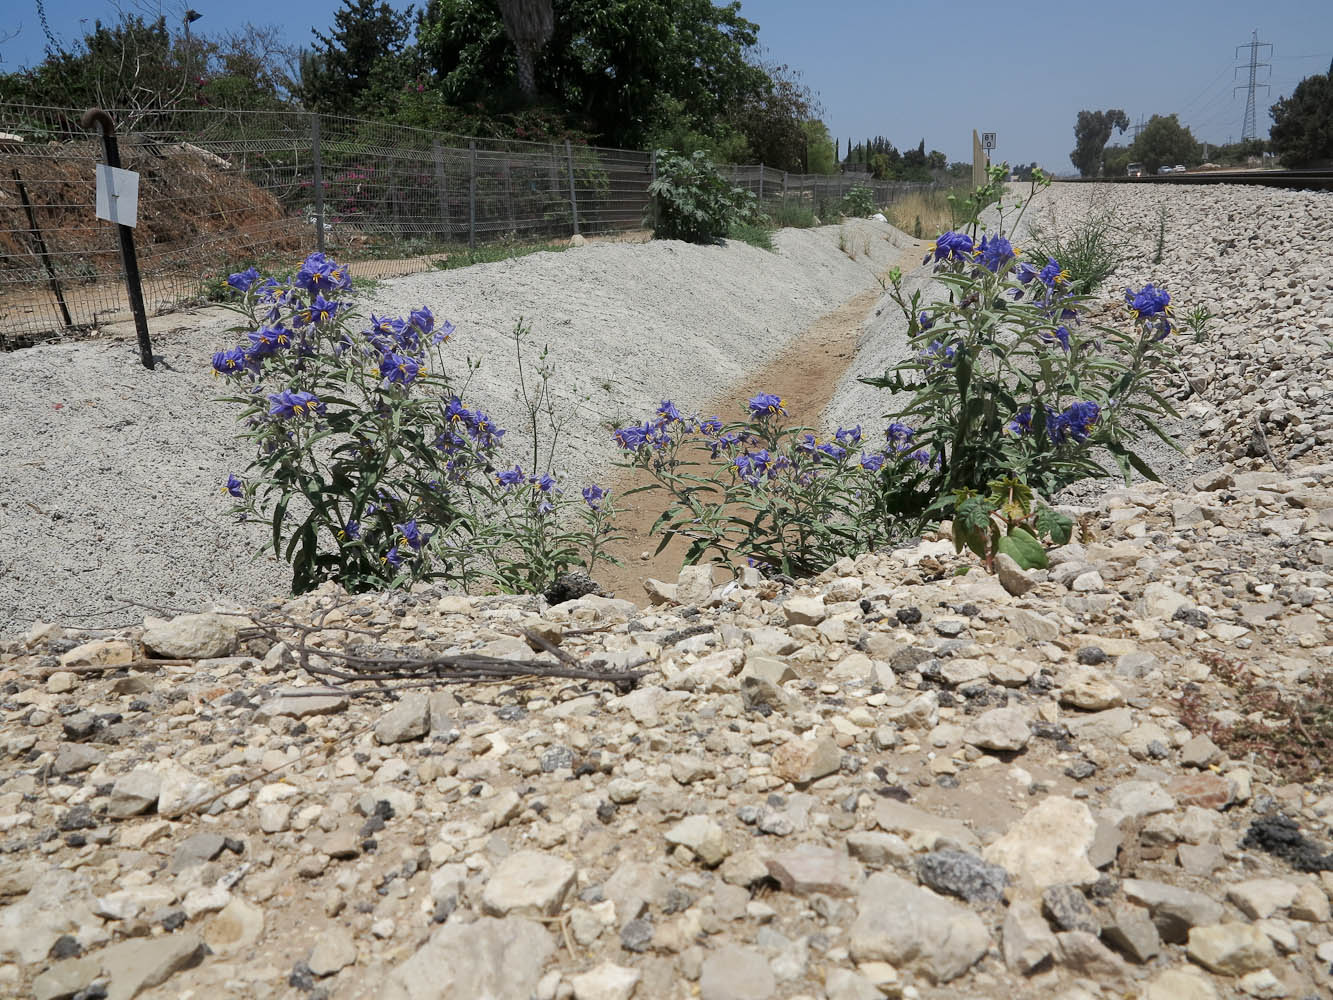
[(905, 71)]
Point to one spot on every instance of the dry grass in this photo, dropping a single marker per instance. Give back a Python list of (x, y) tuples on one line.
[(924, 214)]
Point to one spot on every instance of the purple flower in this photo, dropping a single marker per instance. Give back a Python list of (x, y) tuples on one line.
[(848, 438), (445, 331), (545, 482), (951, 246), (510, 477), (593, 496), (291, 403), (392, 557), (1074, 424), (712, 426), (898, 435), (925, 321), (1021, 422), (243, 280), (995, 252), (351, 530), (1053, 274), (938, 356), (668, 412), (751, 466), (399, 369), (872, 461), (231, 362), (412, 535), (319, 273), (1060, 336), (633, 437), (423, 319), (234, 486), (1147, 302), (766, 404)]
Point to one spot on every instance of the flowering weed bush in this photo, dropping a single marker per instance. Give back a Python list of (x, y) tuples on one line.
[(694, 202), (859, 202), (775, 495), (395, 479), (1011, 388)]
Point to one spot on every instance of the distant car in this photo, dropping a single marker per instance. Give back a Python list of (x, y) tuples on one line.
[(1135, 170), (1179, 168), (1164, 169)]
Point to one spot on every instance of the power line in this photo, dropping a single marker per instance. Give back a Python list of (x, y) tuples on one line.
[(1249, 128)]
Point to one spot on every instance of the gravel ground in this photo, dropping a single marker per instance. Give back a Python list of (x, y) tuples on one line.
[(112, 474)]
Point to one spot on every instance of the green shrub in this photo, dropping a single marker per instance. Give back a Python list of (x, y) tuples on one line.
[(858, 203), (694, 202), (756, 234), (793, 213), (1088, 252)]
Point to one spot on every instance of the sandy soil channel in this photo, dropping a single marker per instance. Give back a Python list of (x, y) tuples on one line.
[(113, 474)]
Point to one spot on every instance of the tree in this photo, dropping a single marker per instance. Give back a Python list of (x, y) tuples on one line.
[(821, 155), (607, 61), (1163, 142), (1092, 130), (772, 118), (529, 24), (1302, 131), (356, 67)]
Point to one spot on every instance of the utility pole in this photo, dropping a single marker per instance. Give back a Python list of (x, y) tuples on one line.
[(1249, 129)]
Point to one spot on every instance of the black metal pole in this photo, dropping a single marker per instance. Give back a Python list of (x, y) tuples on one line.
[(51, 279), (132, 283)]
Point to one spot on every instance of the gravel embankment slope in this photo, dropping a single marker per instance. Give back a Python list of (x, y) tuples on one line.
[(113, 474)]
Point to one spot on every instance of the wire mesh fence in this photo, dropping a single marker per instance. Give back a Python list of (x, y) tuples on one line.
[(221, 189)]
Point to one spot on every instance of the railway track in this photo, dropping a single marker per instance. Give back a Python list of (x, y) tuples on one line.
[(1305, 180)]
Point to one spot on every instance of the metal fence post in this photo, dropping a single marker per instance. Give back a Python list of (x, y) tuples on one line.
[(132, 283), (573, 197), (652, 179), (761, 183), (509, 195), (441, 184), (51, 280), (472, 194), (319, 182)]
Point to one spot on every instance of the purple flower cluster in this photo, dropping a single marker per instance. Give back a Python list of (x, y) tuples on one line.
[(1151, 306), (938, 357), (1074, 423), (994, 253), (290, 403), (950, 246)]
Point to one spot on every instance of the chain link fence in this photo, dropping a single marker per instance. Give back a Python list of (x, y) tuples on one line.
[(219, 190)]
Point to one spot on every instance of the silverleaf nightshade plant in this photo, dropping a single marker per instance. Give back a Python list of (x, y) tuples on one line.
[(761, 491), (1012, 388), (370, 468)]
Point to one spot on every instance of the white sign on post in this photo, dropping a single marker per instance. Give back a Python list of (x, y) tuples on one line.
[(987, 140), (117, 195)]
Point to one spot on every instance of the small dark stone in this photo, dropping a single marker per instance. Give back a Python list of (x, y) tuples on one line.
[(79, 726), (677, 901), (908, 616), (300, 729), (1081, 769), (66, 946), (967, 610), (950, 628), (909, 658), (1158, 750), (570, 587), (556, 758), (78, 818), (947, 781), (138, 705), (1090, 656), (749, 815), (1282, 838), (1067, 909), (301, 978), (173, 920), (233, 844), (76, 840), (963, 875), (444, 909), (850, 764), (592, 894), (636, 935), (606, 812), (1191, 616), (371, 826), (510, 713)]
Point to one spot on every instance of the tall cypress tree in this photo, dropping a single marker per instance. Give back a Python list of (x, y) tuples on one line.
[(362, 57)]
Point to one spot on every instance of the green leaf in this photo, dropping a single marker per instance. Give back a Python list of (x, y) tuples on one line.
[(1053, 525), (1023, 548)]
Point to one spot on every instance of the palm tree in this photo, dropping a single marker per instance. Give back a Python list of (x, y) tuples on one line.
[(529, 24)]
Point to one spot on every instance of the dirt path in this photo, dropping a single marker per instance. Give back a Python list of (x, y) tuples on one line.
[(806, 375)]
